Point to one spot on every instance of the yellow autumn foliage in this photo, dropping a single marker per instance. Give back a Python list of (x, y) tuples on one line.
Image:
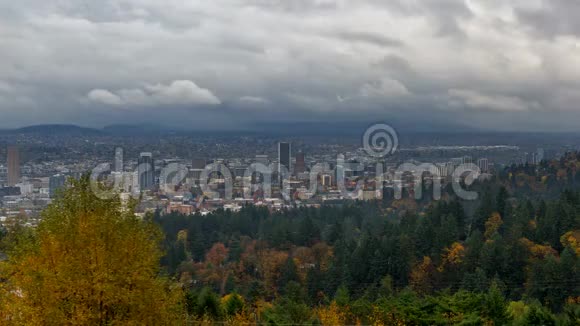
[(571, 239), (537, 250), (182, 236), (332, 315), (378, 317), (90, 262), (241, 318), (452, 256)]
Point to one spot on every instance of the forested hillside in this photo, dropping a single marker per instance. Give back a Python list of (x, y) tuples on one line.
[(514, 259)]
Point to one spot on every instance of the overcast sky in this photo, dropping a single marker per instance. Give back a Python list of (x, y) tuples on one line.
[(488, 64)]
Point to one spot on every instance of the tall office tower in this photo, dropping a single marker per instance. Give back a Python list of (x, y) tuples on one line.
[(198, 163), (549, 154), (55, 183), (531, 158), (284, 156), (540, 154), (326, 180), (483, 164), (118, 164), (450, 167), (13, 165), (146, 171), (467, 159), (441, 169), (197, 168), (300, 166)]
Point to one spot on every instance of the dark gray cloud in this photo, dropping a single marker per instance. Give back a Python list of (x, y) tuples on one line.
[(552, 18), (483, 63)]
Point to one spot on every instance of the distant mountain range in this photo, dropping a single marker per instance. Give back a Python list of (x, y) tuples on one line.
[(292, 130), (111, 130), (53, 129)]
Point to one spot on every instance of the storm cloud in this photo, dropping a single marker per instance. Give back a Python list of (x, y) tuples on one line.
[(484, 64)]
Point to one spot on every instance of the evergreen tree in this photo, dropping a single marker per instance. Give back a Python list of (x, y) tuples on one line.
[(501, 201), (288, 274), (485, 209), (495, 306)]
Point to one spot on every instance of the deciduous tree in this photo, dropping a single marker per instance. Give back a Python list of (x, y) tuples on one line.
[(91, 262)]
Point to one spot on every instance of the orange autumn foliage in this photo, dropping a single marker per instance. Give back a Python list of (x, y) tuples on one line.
[(453, 256), (571, 239), (537, 251)]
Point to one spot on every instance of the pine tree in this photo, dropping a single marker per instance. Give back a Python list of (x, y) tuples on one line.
[(501, 201), (289, 274), (496, 306), (483, 212)]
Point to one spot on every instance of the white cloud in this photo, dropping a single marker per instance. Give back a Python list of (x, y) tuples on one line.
[(179, 92), (104, 96), (182, 92)]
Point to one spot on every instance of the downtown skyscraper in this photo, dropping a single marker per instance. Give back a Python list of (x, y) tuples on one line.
[(146, 170), (284, 154), (13, 158), (300, 166)]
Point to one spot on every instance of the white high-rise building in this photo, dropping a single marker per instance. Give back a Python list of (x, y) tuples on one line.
[(540, 155), (483, 164), (467, 159), (442, 169)]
